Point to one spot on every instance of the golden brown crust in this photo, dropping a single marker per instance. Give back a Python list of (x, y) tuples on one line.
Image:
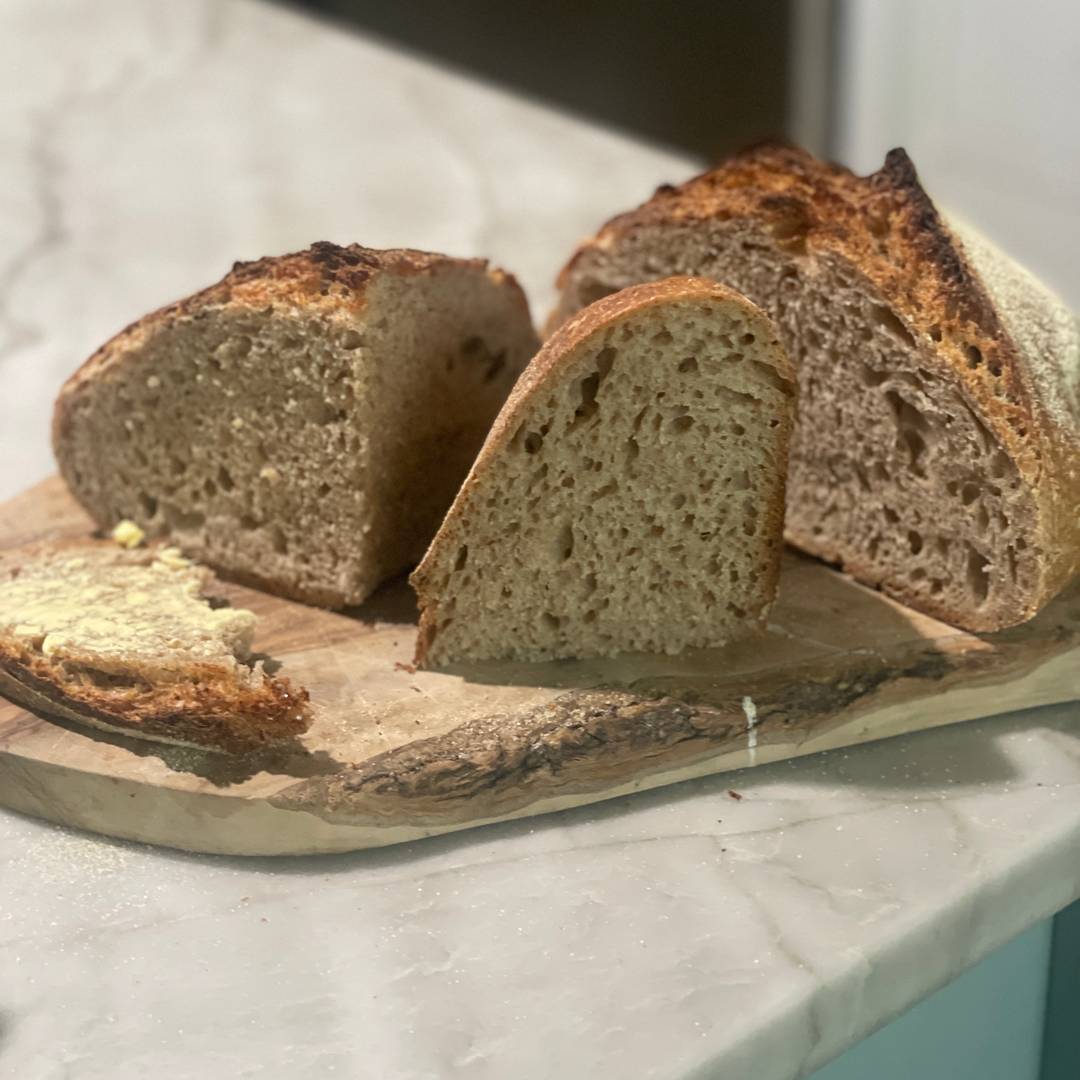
[(886, 226), (211, 705), (556, 353)]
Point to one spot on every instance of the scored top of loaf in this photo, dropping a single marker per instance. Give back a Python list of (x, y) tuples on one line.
[(887, 225), (1013, 346)]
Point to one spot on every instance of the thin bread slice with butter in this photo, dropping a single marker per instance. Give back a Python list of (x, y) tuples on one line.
[(126, 640)]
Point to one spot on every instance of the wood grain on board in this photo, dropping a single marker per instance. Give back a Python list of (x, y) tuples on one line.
[(396, 754)]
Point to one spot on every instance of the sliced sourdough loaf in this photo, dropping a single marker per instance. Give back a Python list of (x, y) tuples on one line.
[(125, 640), (937, 453), (304, 424), (630, 494)]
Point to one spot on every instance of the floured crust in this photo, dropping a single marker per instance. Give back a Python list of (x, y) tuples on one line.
[(214, 706), (887, 227), (543, 372)]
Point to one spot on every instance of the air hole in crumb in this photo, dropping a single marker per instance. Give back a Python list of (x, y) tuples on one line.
[(915, 541), (982, 519), (656, 530), (588, 408), (533, 441), (564, 543), (605, 359), (974, 356), (662, 337), (910, 425), (891, 324), (969, 493), (937, 586), (682, 423), (589, 616), (210, 487), (999, 465), (225, 480), (248, 522), (608, 489), (935, 332), (891, 516), (1010, 555), (735, 610), (462, 557), (737, 429), (678, 501), (978, 578), (590, 584), (278, 541), (740, 480), (148, 503), (351, 340), (551, 622), (689, 365), (871, 376), (322, 490)]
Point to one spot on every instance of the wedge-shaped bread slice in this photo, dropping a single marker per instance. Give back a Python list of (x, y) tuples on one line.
[(937, 452), (125, 640), (630, 495), (304, 424)]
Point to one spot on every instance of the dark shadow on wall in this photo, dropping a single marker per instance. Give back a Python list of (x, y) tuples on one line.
[(705, 76)]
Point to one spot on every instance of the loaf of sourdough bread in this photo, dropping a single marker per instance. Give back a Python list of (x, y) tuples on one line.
[(304, 424), (630, 495), (126, 640), (937, 453)]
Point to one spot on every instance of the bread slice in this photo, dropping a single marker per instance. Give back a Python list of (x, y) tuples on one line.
[(630, 496), (937, 454), (125, 640), (304, 424)]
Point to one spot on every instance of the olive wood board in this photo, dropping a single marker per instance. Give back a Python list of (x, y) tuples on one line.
[(396, 754)]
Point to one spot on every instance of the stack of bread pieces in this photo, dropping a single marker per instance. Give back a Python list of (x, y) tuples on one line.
[(777, 348)]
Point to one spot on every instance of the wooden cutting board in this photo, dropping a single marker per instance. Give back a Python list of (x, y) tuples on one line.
[(396, 754)]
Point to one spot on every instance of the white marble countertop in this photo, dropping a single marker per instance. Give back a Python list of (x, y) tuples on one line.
[(672, 934)]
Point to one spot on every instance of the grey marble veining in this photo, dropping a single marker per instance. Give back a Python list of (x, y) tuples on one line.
[(148, 145), (678, 933)]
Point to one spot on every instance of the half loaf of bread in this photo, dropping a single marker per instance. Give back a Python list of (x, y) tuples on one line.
[(937, 453), (304, 424), (125, 640), (630, 495)]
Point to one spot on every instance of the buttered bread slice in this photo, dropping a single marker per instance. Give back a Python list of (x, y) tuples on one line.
[(126, 640)]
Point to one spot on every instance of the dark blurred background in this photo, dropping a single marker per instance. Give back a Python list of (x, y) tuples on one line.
[(705, 76), (982, 93)]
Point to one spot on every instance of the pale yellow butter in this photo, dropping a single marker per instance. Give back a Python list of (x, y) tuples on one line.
[(127, 534)]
